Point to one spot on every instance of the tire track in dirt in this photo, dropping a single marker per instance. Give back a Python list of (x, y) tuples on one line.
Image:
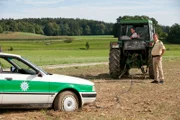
[(72, 65)]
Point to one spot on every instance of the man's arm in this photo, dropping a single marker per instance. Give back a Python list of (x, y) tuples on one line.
[(162, 47), (163, 50), (134, 35)]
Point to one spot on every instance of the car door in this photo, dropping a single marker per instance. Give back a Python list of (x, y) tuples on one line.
[(22, 84), (20, 88)]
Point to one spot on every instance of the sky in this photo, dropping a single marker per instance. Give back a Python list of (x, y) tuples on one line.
[(166, 12)]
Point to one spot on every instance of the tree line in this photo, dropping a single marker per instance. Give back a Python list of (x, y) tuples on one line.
[(75, 27), (57, 26)]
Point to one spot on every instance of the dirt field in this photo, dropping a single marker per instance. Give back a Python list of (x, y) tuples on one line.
[(117, 99)]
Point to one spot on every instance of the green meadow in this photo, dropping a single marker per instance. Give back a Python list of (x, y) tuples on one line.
[(50, 50)]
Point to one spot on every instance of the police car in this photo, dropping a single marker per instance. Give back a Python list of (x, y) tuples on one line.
[(24, 85)]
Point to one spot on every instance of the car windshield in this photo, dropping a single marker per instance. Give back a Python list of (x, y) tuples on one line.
[(36, 66), (141, 30)]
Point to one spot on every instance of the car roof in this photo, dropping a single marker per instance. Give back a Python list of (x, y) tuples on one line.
[(8, 54)]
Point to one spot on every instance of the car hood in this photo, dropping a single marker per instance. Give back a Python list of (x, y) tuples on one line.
[(69, 79)]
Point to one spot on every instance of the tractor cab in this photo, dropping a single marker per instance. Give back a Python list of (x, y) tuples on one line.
[(143, 28)]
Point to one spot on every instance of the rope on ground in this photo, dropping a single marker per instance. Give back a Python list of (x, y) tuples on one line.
[(117, 97)]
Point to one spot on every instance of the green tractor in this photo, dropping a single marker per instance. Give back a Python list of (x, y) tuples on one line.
[(130, 52)]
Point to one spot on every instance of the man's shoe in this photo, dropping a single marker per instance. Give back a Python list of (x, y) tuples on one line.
[(161, 81), (155, 81)]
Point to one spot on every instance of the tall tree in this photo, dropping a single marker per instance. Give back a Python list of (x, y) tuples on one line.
[(115, 30), (13, 26), (174, 34), (87, 30), (165, 29), (22, 27), (100, 29), (1, 29), (155, 22), (75, 29), (38, 29), (30, 28), (66, 29), (51, 29), (108, 29)]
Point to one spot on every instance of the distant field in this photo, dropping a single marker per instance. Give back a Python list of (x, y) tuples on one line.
[(57, 51), (15, 36), (55, 45)]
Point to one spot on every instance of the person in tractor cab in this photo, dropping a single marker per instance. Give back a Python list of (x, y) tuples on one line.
[(157, 53), (134, 34)]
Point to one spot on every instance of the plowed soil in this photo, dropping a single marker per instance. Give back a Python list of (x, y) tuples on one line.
[(123, 99)]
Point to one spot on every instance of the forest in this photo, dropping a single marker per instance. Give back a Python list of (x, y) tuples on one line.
[(56, 26)]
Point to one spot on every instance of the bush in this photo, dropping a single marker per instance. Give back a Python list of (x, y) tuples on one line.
[(87, 45), (68, 40), (10, 49), (168, 49)]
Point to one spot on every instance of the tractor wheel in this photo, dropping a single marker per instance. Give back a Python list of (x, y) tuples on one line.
[(114, 63), (151, 71)]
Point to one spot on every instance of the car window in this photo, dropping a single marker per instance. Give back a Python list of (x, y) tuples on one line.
[(4, 65), (15, 65), (22, 67), (19, 63)]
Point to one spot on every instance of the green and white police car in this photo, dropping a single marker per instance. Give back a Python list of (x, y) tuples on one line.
[(24, 85)]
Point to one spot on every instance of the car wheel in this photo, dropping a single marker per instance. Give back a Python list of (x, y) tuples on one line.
[(66, 101)]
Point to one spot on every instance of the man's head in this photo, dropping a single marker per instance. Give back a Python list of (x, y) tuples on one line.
[(155, 36), (132, 30)]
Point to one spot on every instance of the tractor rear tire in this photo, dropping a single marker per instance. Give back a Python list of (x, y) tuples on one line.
[(114, 63), (151, 71)]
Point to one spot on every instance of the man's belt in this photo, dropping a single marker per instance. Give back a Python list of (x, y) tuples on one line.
[(155, 56)]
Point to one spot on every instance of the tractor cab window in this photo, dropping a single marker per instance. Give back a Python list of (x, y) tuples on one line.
[(151, 31), (141, 31)]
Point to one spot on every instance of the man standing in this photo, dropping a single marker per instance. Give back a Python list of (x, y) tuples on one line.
[(157, 52)]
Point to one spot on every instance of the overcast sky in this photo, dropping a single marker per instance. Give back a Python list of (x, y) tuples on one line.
[(166, 12)]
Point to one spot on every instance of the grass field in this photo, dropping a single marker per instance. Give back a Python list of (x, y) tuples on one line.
[(43, 50)]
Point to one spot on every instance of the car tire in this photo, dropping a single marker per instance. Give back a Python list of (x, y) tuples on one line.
[(66, 101)]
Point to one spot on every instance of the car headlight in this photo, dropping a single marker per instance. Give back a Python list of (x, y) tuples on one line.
[(93, 88)]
